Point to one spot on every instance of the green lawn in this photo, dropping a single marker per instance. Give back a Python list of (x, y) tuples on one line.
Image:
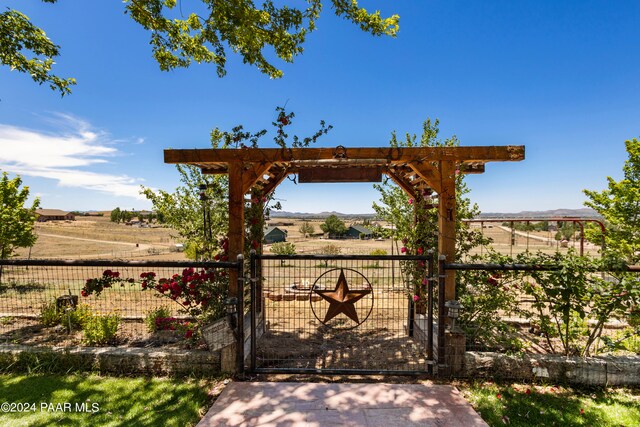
[(104, 401), (535, 405)]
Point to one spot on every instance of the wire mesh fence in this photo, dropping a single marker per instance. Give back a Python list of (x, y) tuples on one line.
[(34, 292), (509, 313), (342, 313)]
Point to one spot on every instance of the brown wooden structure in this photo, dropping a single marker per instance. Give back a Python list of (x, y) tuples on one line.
[(414, 169)]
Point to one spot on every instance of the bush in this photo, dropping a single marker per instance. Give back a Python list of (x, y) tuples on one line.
[(152, 316), (72, 319), (330, 249), (75, 319), (100, 329), (283, 248), (49, 315), (378, 252)]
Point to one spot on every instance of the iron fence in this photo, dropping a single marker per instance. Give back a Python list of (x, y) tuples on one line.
[(343, 314), (31, 290), (514, 326)]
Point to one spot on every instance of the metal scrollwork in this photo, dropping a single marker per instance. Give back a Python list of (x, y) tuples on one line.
[(340, 152)]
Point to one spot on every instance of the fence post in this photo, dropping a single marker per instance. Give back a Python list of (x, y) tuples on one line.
[(240, 335), (254, 303), (430, 280), (442, 368)]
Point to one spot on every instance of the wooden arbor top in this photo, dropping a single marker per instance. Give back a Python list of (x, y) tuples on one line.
[(413, 168)]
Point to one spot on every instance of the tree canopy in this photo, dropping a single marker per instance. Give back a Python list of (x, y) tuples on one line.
[(203, 34), (16, 220), (24, 47), (619, 204), (334, 226)]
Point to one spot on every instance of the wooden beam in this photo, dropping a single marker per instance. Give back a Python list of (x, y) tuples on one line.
[(236, 221), (402, 183), (351, 174), (447, 223), (391, 155), (253, 174), (429, 174), (472, 168), (274, 182)]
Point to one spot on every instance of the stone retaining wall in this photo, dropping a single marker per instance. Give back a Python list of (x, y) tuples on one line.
[(113, 360), (602, 371)]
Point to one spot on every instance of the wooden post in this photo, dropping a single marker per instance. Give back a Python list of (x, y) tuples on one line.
[(447, 223), (236, 221)]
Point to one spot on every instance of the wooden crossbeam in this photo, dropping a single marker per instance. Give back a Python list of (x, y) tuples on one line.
[(402, 182), (352, 174), (391, 155), (274, 181), (254, 173)]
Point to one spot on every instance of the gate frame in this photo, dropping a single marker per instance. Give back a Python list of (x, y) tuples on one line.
[(256, 301)]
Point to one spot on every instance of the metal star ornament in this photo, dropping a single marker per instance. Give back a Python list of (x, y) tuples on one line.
[(342, 300)]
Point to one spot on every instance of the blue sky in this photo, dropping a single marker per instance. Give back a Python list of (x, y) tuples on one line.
[(560, 78)]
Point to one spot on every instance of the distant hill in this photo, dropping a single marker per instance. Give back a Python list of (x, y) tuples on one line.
[(306, 215), (581, 213)]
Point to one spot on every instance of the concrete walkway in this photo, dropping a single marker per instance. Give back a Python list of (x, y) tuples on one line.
[(340, 404)]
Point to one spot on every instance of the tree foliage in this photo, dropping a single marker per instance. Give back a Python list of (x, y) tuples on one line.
[(202, 34), (398, 208), (184, 210), (619, 204), (25, 48), (334, 226), (16, 219), (283, 248), (307, 229)]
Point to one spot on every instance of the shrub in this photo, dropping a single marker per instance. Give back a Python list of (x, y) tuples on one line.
[(330, 249), (184, 327), (152, 316), (75, 319), (100, 329), (198, 292), (378, 252), (283, 248), (486, 296), (49, 315)]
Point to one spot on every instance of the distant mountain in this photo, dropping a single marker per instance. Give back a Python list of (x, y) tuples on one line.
[(307, 215), (580, 213)]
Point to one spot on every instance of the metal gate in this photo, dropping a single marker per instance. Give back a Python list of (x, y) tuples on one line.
[(346, 314)]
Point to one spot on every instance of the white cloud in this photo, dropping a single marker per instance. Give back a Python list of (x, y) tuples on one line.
[(63, 155)]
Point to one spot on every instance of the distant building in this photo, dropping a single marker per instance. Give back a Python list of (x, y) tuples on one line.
[(43, 215), (274, 235), (358, 231)]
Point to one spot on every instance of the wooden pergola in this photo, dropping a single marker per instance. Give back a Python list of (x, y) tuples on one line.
[(414, 169)]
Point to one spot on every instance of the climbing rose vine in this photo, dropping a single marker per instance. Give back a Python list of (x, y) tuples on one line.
[(196, 291)]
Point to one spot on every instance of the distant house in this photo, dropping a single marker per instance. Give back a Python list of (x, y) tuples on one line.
[(43, 215), (358, 231), (274, 235)]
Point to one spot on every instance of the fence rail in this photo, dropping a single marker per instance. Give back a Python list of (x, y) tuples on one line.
[(521, 307), (30, 290)]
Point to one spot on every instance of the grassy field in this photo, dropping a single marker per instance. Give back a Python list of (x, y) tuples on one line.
[(104, 401), (98, 237), (544, 405)]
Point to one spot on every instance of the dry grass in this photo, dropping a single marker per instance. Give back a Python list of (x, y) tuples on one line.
[(98, 237)]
